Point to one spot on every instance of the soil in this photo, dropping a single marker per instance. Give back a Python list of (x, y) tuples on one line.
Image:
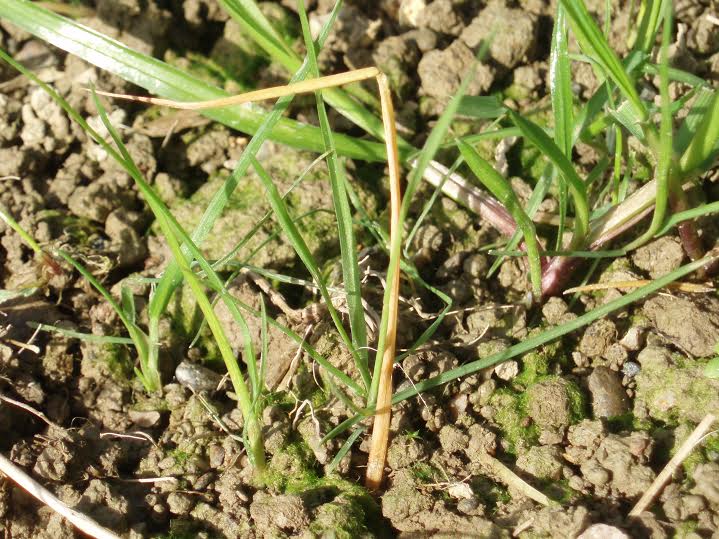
[(589, 419)]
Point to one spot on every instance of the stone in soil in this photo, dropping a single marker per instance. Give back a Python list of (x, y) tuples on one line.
[(441, 73), (692, 323), (513, 34), (659, 257), (609, 398)]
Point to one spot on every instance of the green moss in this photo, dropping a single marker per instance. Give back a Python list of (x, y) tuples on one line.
[(424, 472), (180, 457), (491, 494), (115, 359), (558, 490), (343, 518), (679, 393), (517, 92), (292, 469), (351, 510), (511, 417), (711, 447), (686, 529), (539, 363), (180, 529), (577, 402)]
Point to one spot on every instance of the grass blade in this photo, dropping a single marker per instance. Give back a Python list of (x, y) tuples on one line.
[(300, 246), (159, 78), (665, 150), (501, 189), (704, 145), (89, 337), (251, 19), (552, 334), (577, 188), (560, 86), (595, 45), (345, 229), (650, 19)]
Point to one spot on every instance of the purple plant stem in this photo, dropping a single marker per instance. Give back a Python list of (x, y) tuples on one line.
[(556, 271)]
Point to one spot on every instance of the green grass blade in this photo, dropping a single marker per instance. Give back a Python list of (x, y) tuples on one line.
[(551, 334), (676, 218), (172, 277), (345, 226), (89, 337), (535, 200), (316, 356), (127, 300), (481, 107), (261, 31), (594, 44), (159, 78), (560, 86), (436, 137), (501, 189), (338, 98), (664, 152), (342, 427), (175, 237), (265, 353), (300, 246), (577, 188), (676, 75), (150, 377), (650, 20), (697, 112), (703, 147), (344, 450)]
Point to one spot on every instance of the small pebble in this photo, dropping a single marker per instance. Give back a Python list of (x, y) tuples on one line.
[(608, 395), (631, 369), (196, 377)]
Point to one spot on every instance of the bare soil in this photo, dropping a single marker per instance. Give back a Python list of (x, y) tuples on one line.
[(589, 419)]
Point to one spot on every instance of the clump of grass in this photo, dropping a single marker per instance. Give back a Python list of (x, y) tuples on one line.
[(617, 107)]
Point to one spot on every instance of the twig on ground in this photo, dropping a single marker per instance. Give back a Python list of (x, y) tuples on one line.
[(28, 408), (686, 448), (512, 480), (81, 521)]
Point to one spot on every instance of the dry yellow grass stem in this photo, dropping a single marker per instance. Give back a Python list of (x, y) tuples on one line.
[(681, 287), (303, 87), (686, 448), (380, 429)]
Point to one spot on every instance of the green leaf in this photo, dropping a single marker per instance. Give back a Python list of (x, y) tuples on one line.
[(551, 334), (89, 337), (345, 226), (482, 107), (501, 189), (577, 188), (164, 80), (594, 44), (703, 147), (560, 84), (650, 20), (664, 152)]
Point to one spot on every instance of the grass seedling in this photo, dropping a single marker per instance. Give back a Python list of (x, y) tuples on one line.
[(380, 390), (675, 157)]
